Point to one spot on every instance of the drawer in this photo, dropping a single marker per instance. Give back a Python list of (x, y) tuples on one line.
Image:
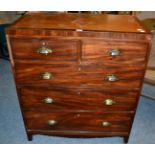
[(84, 76), (45, 49), (73, 121), (46, 75), (117, 77), (114, 52), (45, 99)]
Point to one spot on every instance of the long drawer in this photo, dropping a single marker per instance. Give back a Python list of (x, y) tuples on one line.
[(45, 99), (85, 76), (73, 121)]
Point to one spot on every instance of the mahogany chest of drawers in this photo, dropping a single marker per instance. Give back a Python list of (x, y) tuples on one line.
[(78, 75)]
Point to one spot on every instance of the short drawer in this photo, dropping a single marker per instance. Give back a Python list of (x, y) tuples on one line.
[(118, 77), (46, 75), (46, 99), (114, 51), (45, 49), (92, 122), (84, 76)]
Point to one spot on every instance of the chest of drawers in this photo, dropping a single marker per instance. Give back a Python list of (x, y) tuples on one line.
[(78, 75)]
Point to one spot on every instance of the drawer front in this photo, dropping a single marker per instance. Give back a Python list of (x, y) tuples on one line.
[(111, 77), (85, 76), (46, 75), (42, 99), (61, 121), (114, 52), (45, 49)]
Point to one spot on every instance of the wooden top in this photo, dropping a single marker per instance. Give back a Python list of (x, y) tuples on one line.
[(85, 22)]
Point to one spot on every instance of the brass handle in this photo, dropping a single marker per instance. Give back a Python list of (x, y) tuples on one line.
[(106, 124), (114, 52), (44, 49), (52, 122), (109, 102), (111, 77), (48, 100), (46, 76)]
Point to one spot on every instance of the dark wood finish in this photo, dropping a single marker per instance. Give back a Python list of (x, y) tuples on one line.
[(77, 134), (29, 136), (79, 64), (88, 22), (78, 121), (46, 33), (63, 49), (126, 140), (77, 99), (131, 52), (86, 75)]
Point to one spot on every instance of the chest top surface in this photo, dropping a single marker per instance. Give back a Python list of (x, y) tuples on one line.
[(85, 22)]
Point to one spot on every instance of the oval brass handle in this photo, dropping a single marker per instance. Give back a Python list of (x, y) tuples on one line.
[(52, 122), (44, 49), (111, 77), (48, 100), (46, 76), (114, 52), (109, 102), (106, 124)]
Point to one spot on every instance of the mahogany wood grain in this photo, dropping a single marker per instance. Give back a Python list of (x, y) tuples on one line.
[(68, 49), (49, 33), (76, 99), (81, 76), (78, 134), (88, 22), (78, 121), (62, 49), (79, 64), (130, 52)]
